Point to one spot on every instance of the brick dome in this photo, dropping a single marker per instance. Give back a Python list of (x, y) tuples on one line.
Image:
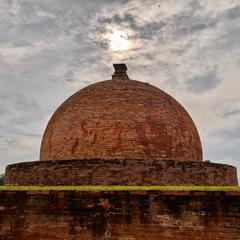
[(121, 119)]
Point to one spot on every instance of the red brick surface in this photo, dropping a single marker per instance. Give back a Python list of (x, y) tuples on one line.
[(121, 118), (140, 215), (120, 172)]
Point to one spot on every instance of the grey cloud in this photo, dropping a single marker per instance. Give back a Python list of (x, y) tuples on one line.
[(126, 18), (232, 134), (188, 26), (188, 21), (229, 38), (203, 83), (145, 31), (148, 31), (45, 20), (17, 132), (231, 113), (68, 76), (233, 13), (184, 23), (175, 26), (228, 30), (6, 143), (19, 104)]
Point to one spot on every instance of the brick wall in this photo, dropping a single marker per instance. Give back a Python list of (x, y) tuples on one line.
[(120, 172), (121, 119), (139, 215)]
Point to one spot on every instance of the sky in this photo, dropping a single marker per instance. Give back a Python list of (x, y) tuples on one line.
[(49, 49)]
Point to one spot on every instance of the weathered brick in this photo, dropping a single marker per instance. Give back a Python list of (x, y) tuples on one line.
[(120, 172), (120, 215)]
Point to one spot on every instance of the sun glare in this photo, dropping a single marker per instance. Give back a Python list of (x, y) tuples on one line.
[(118, 41)]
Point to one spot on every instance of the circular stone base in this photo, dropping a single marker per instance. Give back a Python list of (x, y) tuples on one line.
[(120, 172)]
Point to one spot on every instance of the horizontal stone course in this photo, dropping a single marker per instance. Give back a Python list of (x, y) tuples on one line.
[(120, 172)]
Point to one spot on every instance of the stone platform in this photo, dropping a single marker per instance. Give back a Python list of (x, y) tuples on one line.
[(121, 215), (120, 172)]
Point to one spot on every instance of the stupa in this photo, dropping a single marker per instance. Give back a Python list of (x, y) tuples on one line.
[(130, 134), (121, 132)]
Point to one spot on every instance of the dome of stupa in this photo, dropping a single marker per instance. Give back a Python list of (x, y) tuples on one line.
[(121, 119)]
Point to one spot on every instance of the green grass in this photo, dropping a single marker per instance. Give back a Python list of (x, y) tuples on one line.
[(119, 188)]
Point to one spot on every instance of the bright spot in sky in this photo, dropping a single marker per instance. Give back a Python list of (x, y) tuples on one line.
[(118, 41)]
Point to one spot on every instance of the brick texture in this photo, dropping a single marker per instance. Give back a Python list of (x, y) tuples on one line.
[(121, 118), (153, 215), (120, 172)]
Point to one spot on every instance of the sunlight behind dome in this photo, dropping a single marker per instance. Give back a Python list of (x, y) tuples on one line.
[(118, 41)]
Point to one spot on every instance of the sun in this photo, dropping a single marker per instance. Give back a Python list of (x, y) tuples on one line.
[(118, 40)]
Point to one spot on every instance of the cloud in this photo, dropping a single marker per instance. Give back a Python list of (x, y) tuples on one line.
[(232, 134), (233, 13), (203, 83), (8, 143), (231, 113)]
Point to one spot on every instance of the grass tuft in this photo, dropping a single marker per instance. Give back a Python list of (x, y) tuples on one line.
[(119, 188)]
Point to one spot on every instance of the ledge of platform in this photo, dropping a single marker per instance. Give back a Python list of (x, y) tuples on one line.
[(137, 172)]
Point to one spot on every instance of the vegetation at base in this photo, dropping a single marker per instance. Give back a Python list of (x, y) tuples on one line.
[(119, 188), (1, 179)]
